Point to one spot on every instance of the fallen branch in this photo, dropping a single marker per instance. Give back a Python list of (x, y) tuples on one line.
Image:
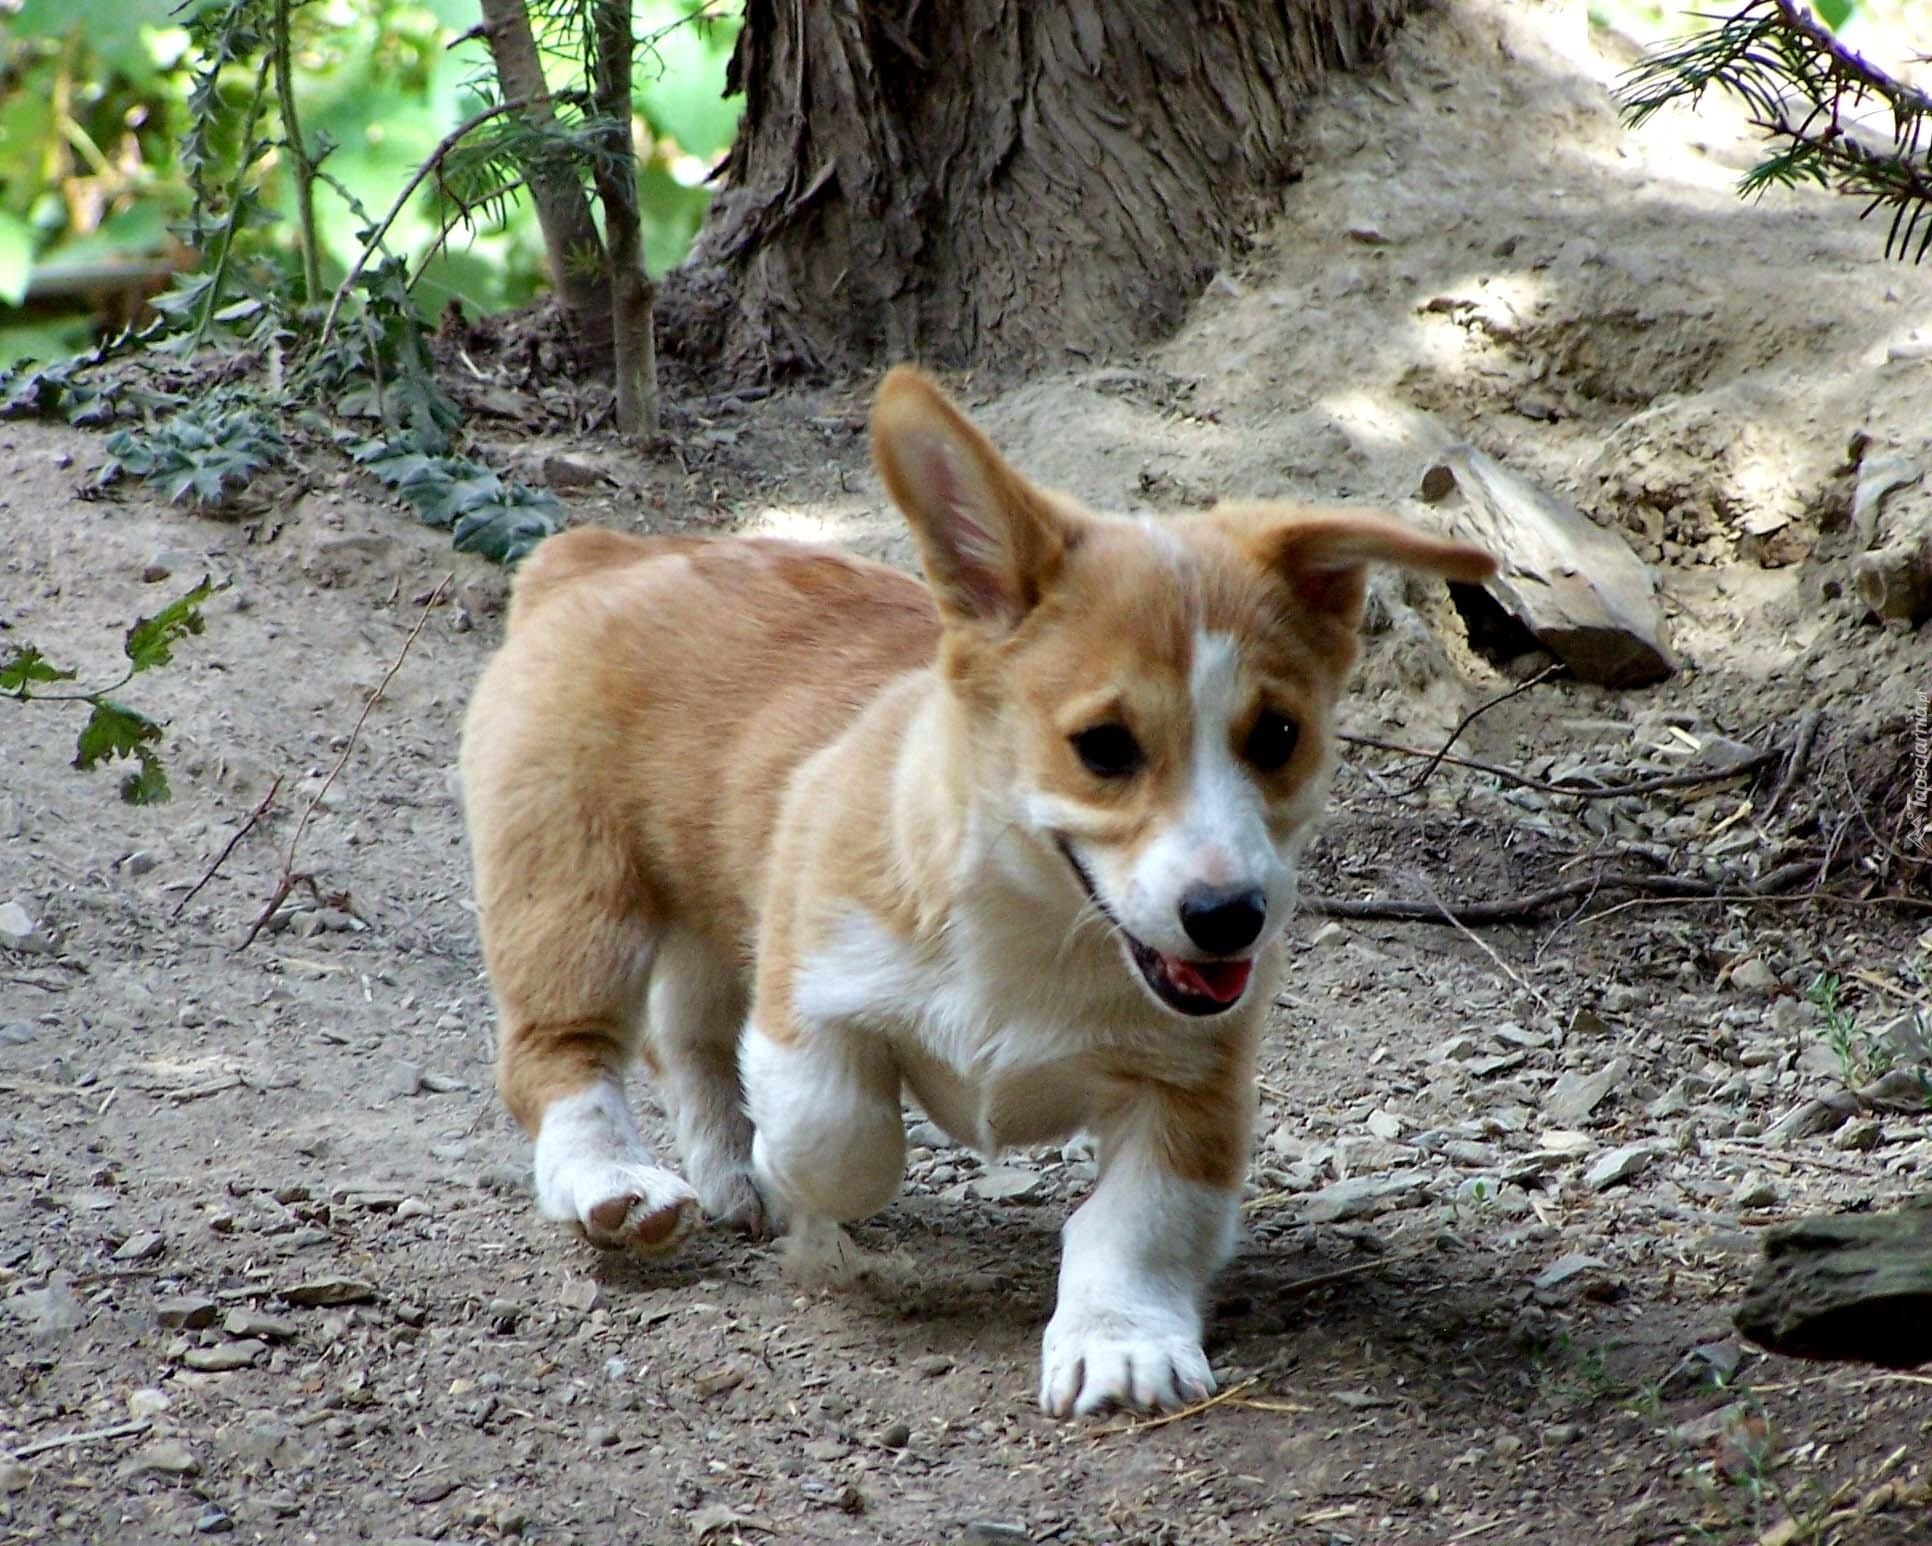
[(221, 858), (1690, 778), (289, 878), (1470, 718)]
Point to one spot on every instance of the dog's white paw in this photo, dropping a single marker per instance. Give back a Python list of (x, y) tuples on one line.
[(593, 1173), (732, 1202), (1094, 1361), (625, 1207)]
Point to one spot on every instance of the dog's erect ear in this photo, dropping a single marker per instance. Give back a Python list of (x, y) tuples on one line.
[(990, 542), (1324, 554)]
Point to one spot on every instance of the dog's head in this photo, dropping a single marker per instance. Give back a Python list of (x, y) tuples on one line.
[(1147, 702)]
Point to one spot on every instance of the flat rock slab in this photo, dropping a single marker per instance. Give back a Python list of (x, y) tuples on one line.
[(1362, 1195), (1576, 586)]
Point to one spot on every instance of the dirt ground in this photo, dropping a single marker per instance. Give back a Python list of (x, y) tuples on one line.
[(269, 1259)]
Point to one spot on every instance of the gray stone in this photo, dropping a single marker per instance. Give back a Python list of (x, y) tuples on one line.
[(257, 1323), (225, 1357), (1574, 1096), (1615, 1166), (186, 1312), (1751, 975), (1007, 1183), (19, 931), (1362, 1195), (987, 1532), (141, 1247), (49, 1314), (169, 1457)]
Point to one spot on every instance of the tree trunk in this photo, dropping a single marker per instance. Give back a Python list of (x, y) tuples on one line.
[(999, 181), (570, 239), (633, 340)]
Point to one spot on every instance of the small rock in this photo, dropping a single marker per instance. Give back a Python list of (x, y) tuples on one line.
[(19, 931), (1328, 934), (257, 1323), (1562, 1433), (147, 1402), (142, 1247), (1385, 1125), (1754, 1191), (1857, 1136), (1574, 1096), (601, 1438), (213, 1520), (896, 1434), (715, 1519), (1674, 1102), (430, 1489), (1618, 1165), (1360, 1195), (985, 1532), (16, 1033), (169, 1457), (138, 863), (932, 1365), (186, 1312), (1006, 1183), (1751, 975), (224, 1357), (399, 1081), (328, 1292), (49, 1314), (413, 1208), (928, 1135), (582, 1295)]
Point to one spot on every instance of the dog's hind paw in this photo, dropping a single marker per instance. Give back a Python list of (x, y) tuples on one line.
[(635, 1208), (732, 1202)]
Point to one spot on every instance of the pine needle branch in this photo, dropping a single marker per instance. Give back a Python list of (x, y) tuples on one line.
[(1816, 100)]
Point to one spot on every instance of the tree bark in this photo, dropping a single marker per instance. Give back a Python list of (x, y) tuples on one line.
[(633, 296), (1846, 1286), (570, 238), (998, 181)]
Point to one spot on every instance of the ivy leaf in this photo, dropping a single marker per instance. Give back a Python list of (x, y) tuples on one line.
[(25, 665), (151, 641), (113, 730)]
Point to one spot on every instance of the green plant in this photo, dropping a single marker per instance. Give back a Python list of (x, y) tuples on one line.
[(114, 731), (1862, 1058), (1810, 96), (205, 450)]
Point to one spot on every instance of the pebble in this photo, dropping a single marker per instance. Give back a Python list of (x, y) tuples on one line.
[(1360, 1195), (1328, 934), (929, 1135), (896, 1434), (986, 1532), (1755, 1191), (49, 1313), (16, 1033), (1385, 1125), (225, 1356), (400, 1080), (147, 1402), (1616, 1166), (257, 1323), (170, 1457), (1857, 1136), (142, 1247), (932, 1365), (1751, 975), (582, 1295), (327, 1292), (1007, 1183), (19, 931), (138, 863), (213, 1520), (186, 1312), (1574, 1096)]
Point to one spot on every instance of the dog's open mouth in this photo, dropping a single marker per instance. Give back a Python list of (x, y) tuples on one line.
[(1185, 986)]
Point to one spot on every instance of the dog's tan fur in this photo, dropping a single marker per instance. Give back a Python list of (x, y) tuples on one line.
[(734, 754)]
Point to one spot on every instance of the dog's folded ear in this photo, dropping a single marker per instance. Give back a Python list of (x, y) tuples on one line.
[(990, 542), (1324, 553)]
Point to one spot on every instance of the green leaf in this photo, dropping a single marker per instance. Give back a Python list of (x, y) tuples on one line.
[(151, 641), (1834, 13), (148, 784), (16, 258), (24, 665), (113, 730)]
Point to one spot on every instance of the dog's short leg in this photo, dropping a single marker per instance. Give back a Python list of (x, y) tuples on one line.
[(831, 1143), (697, 1005), (593, 1171), (1137, 1258)]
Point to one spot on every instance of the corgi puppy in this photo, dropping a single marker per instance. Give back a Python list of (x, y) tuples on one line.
[(804, 836)]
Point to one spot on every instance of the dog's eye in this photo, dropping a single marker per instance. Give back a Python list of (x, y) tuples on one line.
[(1271, 741), (1109, 751)]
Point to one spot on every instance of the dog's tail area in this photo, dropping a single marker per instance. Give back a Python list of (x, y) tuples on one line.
[(569, 556)]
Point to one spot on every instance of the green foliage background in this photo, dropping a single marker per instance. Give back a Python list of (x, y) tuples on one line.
[(93, 98)]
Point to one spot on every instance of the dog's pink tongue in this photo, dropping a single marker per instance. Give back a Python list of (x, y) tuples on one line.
[(1222, 981)]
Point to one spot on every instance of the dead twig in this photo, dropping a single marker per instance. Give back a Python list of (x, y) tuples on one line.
[(1144, 1424), (1470, 718), (1794, 766), (126, 1430), (1690, 778), (289, 878), (221, 858), (1513, 909), (1489, 950)]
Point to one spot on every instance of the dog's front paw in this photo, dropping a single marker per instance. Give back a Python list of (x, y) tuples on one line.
[(732, 1202), (1093, 1361)]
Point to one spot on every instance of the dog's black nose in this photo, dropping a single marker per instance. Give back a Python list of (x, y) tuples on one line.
[(1223, 920)]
